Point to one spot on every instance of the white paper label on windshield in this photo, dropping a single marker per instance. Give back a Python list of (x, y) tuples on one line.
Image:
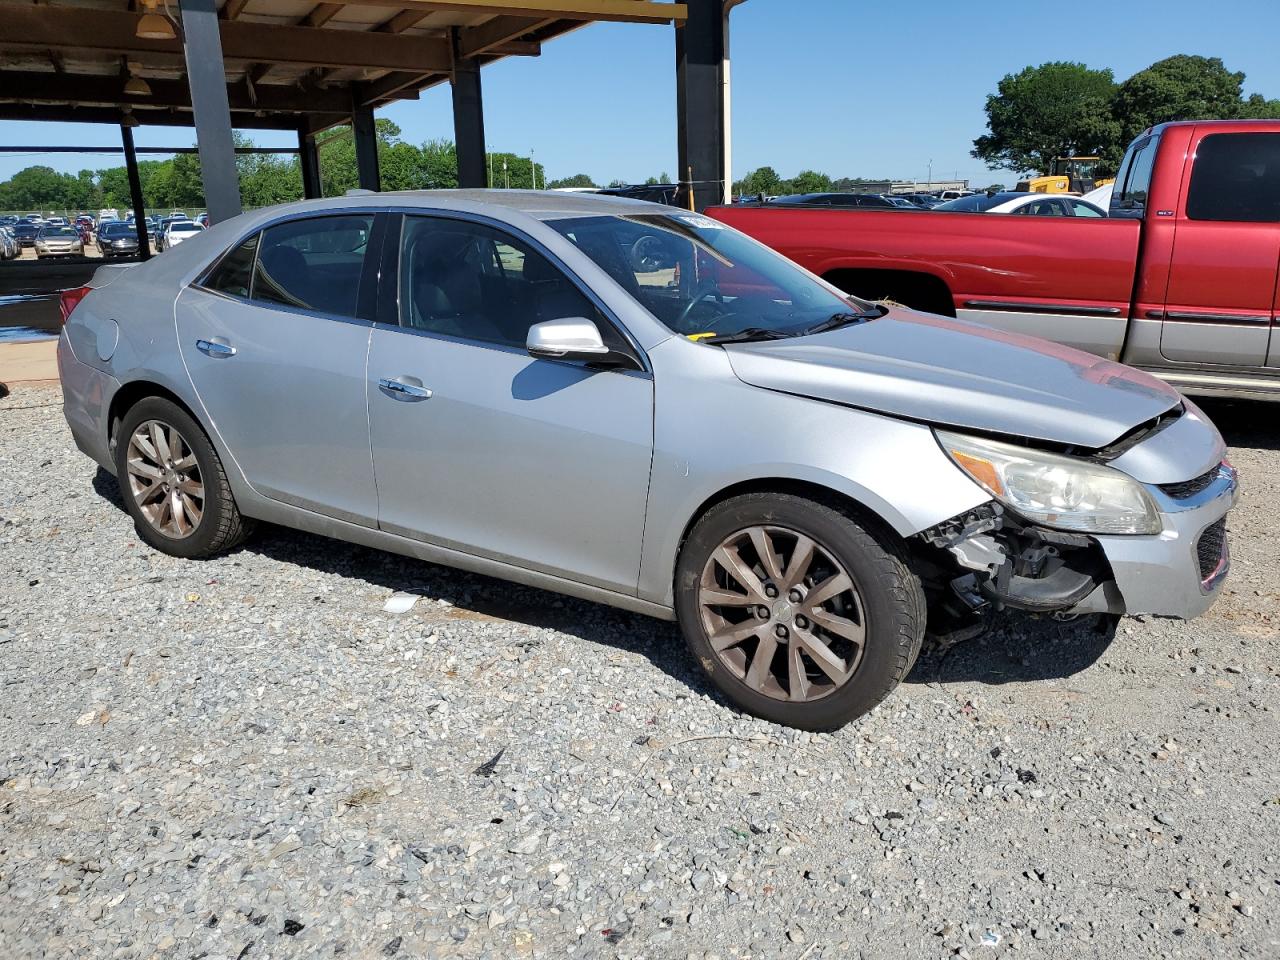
[(699, 221)]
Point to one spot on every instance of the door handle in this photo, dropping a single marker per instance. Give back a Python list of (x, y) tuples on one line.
[(216, 347), (402, 388)]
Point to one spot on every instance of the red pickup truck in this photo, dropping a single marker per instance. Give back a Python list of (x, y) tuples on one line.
[(1180, 280)]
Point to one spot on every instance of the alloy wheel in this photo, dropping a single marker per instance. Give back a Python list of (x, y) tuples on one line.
[(782, 613), (164, 479)]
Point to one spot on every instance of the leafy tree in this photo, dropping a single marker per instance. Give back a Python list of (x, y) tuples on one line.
[(1055, 109), (761, 180), (577, 180), (1258, 107), (1181, 87), (807, 181)]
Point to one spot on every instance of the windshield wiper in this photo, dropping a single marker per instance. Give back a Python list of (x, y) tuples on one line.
[(837, 320), (747, 335)]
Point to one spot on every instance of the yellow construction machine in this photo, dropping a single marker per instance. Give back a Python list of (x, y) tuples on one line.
[(1068, 175)]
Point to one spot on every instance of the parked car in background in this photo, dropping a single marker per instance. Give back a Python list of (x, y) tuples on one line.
[(1024, 204), (54, 241), (202, 219), (896, 201), (9, 247), (179, 230), (84, 231), (865, 200), (108, 213), (1100, 196), (117, 240), (1179, 279), (26, 232), (926, 201), (666, 193), (489, 381)]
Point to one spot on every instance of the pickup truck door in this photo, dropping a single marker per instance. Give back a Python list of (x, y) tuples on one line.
[(1221, 297)]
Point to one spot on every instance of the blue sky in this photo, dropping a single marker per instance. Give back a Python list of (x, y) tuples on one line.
[(848, 88)]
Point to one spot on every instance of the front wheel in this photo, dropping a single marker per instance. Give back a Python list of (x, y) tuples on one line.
[(173, 483), (796, 612)]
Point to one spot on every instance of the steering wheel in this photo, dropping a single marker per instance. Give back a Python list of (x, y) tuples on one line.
[(707, 288)]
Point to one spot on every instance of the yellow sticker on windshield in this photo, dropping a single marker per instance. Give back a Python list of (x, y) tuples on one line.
[(700, 336)]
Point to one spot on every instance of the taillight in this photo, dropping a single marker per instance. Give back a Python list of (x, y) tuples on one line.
[(68, 300)]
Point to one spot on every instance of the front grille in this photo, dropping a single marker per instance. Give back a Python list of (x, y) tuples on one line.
[(1189, 488), (1211, 547)]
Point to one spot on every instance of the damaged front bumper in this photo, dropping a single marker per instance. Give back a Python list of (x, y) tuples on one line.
[(999, 560)]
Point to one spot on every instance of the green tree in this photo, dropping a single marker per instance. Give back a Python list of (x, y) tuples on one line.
[(1181, 87), (577, 180), (1053, 110), (761, 180), (1258, 107), (807, 181)]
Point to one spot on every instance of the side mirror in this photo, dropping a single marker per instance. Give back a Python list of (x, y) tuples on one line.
[(571, 338)]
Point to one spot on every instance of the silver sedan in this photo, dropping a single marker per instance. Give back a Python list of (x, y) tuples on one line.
[(640, 406)]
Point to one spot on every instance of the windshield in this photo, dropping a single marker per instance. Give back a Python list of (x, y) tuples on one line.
[(116, 230), (58, 232), (703, 279)]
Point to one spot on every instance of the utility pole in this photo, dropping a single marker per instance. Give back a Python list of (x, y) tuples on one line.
[(533, 169), (930, 186), (488, 155), (506, 177)]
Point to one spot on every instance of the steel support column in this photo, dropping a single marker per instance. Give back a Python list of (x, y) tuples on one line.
[(700, 102), (135, 192), (309, 157), (207, 78), (468, 120), (366, 137)]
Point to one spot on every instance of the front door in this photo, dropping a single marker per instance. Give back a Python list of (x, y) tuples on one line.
[(480, 447), (276, 352), (1226, 247)]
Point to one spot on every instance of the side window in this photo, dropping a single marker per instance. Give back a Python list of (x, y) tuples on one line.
[(235, 271), (1079, 209), (1129, 196), (313, 264), (468, 280), (1236, 177)]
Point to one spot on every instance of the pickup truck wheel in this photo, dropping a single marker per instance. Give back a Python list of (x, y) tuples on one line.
[(173, 483), (795, 611)]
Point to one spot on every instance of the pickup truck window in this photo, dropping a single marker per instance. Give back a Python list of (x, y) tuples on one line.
[(1236, 178), (1129, 198)]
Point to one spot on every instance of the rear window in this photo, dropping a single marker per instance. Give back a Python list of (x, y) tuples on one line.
[(185, 227), (314, 263), (1236, 178)]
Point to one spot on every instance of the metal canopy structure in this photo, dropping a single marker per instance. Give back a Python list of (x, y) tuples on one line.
[(286, 62), (305, 66)]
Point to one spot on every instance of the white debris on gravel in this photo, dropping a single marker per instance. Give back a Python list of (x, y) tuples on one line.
[(250, 757)]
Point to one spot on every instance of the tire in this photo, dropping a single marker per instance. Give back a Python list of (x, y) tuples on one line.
[(886, 602), (219, 526)]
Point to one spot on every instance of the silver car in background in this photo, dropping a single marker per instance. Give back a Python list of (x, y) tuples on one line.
[(638, 405)]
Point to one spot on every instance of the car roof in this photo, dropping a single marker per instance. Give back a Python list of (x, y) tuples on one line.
[(540, 204)]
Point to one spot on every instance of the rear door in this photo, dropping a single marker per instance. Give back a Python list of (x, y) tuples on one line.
[(1220, 300), (275, 339)]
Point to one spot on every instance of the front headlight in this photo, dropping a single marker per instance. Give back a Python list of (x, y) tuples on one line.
[(1054, 490)]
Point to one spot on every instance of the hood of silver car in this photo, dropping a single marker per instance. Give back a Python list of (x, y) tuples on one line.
[(960, 374)]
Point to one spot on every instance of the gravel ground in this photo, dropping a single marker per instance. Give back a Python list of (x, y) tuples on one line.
[(249, 758)]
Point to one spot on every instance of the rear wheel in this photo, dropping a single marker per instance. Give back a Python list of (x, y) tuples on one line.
[(173, 482), (795, 611)]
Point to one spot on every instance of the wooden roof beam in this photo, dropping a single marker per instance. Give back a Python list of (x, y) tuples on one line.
[(35, 87), (80, 28), (618, 11)]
